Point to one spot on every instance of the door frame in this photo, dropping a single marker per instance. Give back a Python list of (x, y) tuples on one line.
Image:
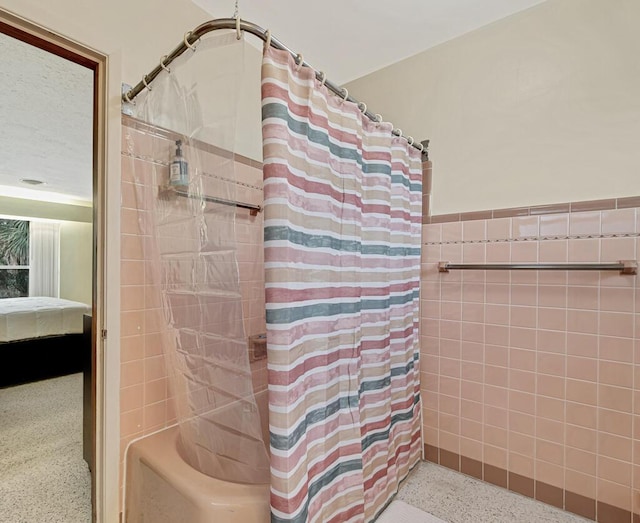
[(105, 345)]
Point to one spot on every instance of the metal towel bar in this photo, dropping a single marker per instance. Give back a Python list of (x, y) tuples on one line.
[(629, 267), (166, 191)]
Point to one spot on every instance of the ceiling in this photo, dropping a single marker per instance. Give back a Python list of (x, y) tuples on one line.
[(46, 101), (351, 38), (46, 115)]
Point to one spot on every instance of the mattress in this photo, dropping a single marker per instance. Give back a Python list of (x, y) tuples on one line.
[(24, 318)]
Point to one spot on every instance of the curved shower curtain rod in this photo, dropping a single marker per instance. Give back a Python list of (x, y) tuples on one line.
[(242, 25)]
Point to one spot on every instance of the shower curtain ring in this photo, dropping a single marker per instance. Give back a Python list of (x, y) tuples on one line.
[(267, 42), (323, 77), (298, 59), (145, 83), (129, 100), (421, 147), (378, 118), (345, 93), (363, 107), (410, 140), (238, 32), (186, 41), (397, 132), (162, 60)]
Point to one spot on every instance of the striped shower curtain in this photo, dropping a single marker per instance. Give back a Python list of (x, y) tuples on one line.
[(342, 261)]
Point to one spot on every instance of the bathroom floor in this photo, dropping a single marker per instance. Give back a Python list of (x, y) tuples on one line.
[(43, 477), (456, 498)]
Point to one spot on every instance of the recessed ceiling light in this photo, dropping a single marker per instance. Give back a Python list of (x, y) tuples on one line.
[(32, 181)]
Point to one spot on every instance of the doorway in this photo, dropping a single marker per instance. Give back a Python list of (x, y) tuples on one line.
[(51, 281)]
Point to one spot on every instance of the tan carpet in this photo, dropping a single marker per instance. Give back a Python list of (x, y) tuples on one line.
[(43, 478)]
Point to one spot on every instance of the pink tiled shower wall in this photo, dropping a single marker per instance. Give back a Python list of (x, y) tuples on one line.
[(537, 373), (145, 400)]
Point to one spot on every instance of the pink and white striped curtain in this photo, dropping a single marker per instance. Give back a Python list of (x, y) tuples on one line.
[(342, 257)]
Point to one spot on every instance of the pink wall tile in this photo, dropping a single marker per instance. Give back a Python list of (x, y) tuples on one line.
[(579, 483), (524, 252), (580, 391), (616, 349), (614, 470), (550, 452), (522, 444), (614, 422), (616, 299), (497, 314), (498, 253), (550, 430), (551, 363), (582, 438), (614, 494), (525, 227), (552, 296), (496, 355), (615, 447), (619, 221), (550, 408), (579, 368), (524, 295), (617, 324), (581, 461), (522, 381), (475, 230), (495, 456), (555, 251), (587, 250), (617, 374), (522, 359), (523, 316), (497, 293), (615, 249), (471, 429), (583, 298), (471, 448), (551, 386), (522, 338), (549, 473), (499, 229), (547, 380), (585, 345), (452, 232), (582, 322), (522, 423), (552, 340), (474, 253), (554, 225), (584, 223)]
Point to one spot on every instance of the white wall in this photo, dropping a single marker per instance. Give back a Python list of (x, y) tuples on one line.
[(76, 261), (537, 108)]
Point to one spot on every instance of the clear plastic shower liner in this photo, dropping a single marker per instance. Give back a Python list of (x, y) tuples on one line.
[(191, 256)]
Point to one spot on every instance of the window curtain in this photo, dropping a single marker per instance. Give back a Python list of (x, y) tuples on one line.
[(44, 259), (342, 265)]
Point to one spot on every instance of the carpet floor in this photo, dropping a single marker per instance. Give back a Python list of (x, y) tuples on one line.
[(43, 478)]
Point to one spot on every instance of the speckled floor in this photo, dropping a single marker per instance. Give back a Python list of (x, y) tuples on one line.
[(43, 478), (456, 498)]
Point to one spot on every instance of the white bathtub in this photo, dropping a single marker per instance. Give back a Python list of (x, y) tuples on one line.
[(162, 488)]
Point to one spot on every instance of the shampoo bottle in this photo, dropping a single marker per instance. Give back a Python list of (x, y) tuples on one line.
[(179, 168)]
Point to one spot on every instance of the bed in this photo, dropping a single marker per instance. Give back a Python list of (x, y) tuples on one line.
[(40, 338)]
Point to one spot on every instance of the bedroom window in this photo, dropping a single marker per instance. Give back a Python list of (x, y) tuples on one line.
[(14, 258)]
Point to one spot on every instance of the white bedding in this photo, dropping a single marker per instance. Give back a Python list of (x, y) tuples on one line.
[(24, 318)]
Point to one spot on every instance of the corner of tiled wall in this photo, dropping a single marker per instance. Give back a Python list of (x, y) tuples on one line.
[(531, 379)]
